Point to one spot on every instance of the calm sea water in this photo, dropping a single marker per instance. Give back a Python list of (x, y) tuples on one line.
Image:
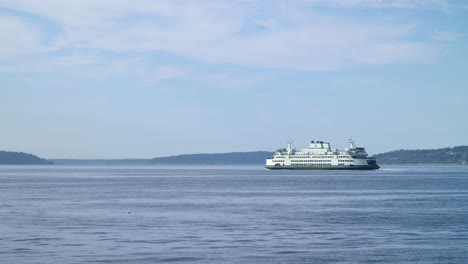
[(138, 214)]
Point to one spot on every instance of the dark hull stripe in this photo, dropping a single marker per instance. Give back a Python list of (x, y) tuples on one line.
[(322, 167)]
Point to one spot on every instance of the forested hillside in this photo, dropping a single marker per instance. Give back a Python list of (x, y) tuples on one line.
[(455, 155), (13, 158)]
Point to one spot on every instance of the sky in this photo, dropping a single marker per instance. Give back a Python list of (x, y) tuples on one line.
[(141, 79)]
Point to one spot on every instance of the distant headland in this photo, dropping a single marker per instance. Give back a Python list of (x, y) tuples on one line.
[(21, 158)]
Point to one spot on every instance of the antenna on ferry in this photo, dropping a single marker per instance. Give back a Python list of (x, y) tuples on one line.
[(351, 143), (289, 145)]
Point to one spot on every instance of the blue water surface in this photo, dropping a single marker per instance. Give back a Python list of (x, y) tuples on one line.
[(235, 214)]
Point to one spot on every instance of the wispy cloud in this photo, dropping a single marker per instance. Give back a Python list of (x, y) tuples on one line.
[(18, 38), (288, 37), (446, 36), (402, 4)]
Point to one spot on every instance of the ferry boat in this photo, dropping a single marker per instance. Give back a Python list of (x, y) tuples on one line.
[(320, 156)]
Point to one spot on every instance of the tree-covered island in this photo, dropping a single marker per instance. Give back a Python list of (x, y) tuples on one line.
[(21, 158)]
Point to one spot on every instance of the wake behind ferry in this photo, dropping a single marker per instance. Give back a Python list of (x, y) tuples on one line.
[(320, 156)]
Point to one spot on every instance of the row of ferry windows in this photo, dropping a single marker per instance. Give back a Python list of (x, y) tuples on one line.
[(304, 161), (312, 161), (308, 157), (313, 157), (315, 161), (313, 164)]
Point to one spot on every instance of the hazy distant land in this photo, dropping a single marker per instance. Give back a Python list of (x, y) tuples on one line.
[(255, 157), (452, 155), (234, 158), (21, 158), (101, 161)]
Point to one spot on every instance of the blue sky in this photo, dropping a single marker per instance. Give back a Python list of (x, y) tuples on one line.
[(118, 79)]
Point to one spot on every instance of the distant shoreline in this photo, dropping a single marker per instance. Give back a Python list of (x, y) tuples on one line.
[(444, 156)]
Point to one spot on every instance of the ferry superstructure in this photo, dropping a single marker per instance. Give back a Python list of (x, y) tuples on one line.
[(320, 156)]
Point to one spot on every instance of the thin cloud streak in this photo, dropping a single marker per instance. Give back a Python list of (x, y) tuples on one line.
[(213, 32), (400, 4)]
